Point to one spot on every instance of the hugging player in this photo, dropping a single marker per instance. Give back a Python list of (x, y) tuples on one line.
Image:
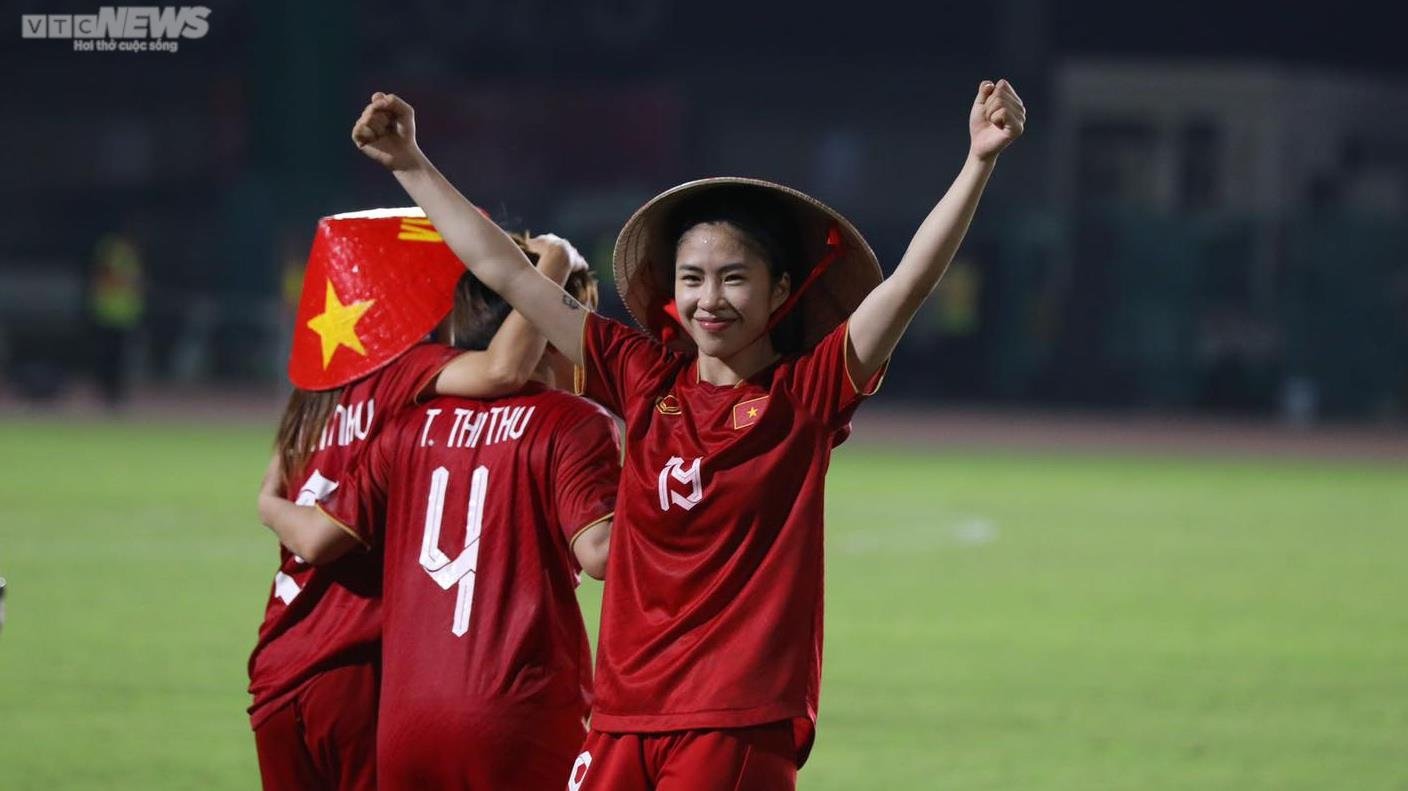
[(376, 283), (486, 511)]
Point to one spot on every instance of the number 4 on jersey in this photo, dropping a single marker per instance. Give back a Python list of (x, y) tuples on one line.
[(441, 568)]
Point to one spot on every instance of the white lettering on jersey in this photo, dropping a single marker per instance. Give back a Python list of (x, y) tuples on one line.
[(430, 415), (473, 429), (675, 469), (348, 424), (497, 422), (285, 589), (317, 487), (579, 772), (519, 422)]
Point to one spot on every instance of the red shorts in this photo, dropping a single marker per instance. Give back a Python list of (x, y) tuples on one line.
[(760, 758), (472, 746), (324, 738)]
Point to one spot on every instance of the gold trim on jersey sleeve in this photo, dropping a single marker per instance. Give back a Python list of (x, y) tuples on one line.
[(579, 373), (343, 525), (572, 542), (427, 387)]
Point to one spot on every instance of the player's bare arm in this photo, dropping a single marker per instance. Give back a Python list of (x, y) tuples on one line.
[(514, 352), (591, 546), (996, 118), (306, 531), (385, 132)]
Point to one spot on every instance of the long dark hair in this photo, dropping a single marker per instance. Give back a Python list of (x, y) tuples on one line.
[(301, 428)]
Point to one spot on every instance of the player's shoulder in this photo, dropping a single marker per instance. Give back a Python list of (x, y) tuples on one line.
[(569, 417), (425, 353), (818, 360), (410, 358), (621, 338), (418, 361), (568, 406), (830, 345)]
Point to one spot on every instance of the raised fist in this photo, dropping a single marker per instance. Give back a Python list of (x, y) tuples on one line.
[(386, 131), (998, 117)]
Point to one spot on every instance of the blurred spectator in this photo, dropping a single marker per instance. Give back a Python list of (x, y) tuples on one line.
[(956, 304), (116, 304)]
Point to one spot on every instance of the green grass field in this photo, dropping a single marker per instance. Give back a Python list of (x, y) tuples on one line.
[(994, 621)]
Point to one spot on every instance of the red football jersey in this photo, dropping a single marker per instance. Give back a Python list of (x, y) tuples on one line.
[(476, 504), (321, 617), (712, 614)]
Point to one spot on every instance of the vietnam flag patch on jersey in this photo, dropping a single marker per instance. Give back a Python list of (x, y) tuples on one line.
[(746, 413)]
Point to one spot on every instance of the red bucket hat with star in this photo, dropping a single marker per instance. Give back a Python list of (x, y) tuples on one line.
[(377, 281)]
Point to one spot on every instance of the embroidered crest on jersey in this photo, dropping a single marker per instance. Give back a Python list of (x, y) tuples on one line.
[(746, 413), (668, 405)]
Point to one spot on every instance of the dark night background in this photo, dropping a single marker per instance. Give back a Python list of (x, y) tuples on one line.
[(1206, 214)]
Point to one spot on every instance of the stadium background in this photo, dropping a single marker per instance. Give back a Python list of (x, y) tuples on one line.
[(1129, 513)]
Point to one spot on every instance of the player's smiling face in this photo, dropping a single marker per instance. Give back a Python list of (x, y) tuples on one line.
[(724, 291)]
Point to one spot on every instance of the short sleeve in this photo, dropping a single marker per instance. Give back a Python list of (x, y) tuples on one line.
[(620, 362), (586, 468), (407, 376), (358, 504), (821, 380)]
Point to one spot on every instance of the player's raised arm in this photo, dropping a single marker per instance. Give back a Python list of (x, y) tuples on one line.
[(306, 531), (996, 118), (386, 133)]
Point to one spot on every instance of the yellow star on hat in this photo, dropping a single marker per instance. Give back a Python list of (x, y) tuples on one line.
[(337, 324)]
